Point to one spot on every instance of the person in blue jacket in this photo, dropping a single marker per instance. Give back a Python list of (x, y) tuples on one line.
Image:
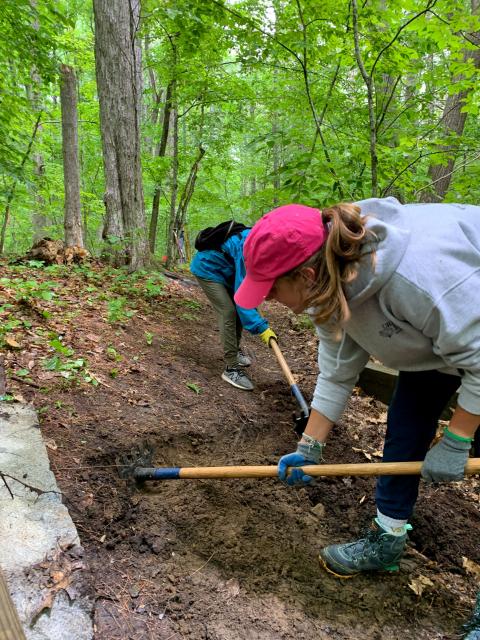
[(220, 273)]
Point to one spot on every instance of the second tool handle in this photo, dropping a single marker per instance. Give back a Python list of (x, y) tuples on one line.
[(282, 362)]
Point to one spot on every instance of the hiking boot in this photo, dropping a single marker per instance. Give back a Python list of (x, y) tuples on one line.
[(238, 378), (242, 359), (376, 551)]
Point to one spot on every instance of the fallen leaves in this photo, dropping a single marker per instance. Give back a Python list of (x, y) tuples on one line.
[(369, 455), (419, 584), (471, 567), (57, 573), (11, 343), (51, 444)]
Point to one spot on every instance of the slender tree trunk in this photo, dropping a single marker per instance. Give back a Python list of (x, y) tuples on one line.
[(171, 245), (181, 249), (118, 68), (188, 190), (160, 153), (453, 123), (304, 62), (275, 148), (71, 167), (6, 220), (40, 219), (370, 100)]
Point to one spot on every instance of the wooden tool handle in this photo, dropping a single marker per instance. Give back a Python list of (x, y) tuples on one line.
[(270, 471), (282, 362), (10, 627)]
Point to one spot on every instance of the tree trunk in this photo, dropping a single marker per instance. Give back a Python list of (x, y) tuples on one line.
[(453, 123), (370, 100), (275, 148), (118, 65), (159, 152), (40, 219), (171, 244), (188, 190), (71, 167)]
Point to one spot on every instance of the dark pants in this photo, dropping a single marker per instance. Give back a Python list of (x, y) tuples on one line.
[(417, 403), (228, 319)]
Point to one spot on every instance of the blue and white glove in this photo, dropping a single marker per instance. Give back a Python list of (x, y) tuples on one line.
[(445, 462), (304, 455)]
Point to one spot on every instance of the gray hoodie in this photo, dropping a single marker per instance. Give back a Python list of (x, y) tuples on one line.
[(417, 308)]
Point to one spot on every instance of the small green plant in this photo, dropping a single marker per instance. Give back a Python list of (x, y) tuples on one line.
[(113, 373), (22, 373), (191, 304), (35, 264), (112, 354), (194, 387), (57, 269), (117, 310), (153, 287), (65, 367), (6, 326), (59, 347), (148, 338), (26, 290), (90, 378)]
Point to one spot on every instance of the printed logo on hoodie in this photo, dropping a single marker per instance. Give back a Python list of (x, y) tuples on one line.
[(389, 329)]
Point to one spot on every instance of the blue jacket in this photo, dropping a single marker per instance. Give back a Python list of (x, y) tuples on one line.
[(228, 268)]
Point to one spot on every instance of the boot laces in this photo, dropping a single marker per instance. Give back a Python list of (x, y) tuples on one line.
[(367, 546)]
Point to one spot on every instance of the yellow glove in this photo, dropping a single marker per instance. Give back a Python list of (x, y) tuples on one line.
[(268, 335)]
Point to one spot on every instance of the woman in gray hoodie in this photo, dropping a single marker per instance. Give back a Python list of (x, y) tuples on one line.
[(400, 283)]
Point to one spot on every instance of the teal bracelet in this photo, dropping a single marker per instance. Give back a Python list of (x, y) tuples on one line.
[(457, 437)]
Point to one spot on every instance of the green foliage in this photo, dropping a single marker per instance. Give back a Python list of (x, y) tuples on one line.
[(26, 290), (148, 338), (117, 310), (112, 354), (249, 84)]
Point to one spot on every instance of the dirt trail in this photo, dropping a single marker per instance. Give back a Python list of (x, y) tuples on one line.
[(237, 559)]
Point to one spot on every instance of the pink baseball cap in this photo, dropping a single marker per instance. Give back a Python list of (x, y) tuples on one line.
[(277, 243)]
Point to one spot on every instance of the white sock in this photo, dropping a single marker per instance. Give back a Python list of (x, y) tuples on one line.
[(391, 525)]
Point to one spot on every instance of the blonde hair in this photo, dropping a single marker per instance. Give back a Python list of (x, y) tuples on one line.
[(336, 262)]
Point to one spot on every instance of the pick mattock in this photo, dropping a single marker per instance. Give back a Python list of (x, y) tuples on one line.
[(269, 471)]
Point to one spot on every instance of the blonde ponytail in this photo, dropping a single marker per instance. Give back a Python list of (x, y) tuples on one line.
[(336, 263)]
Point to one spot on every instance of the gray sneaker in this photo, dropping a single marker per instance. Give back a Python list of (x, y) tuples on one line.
[(376, 551), (238, 378), (242, 359)]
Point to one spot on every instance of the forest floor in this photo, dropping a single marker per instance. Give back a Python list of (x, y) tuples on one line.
[(214, 559)]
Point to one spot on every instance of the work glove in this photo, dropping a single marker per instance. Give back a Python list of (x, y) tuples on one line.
[(445, 462), (302, 457), (268, 335)]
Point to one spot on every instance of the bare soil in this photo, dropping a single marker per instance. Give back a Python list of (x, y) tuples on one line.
[(228, 559)]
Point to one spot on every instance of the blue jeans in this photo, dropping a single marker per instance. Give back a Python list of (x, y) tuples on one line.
[(417, 403)]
